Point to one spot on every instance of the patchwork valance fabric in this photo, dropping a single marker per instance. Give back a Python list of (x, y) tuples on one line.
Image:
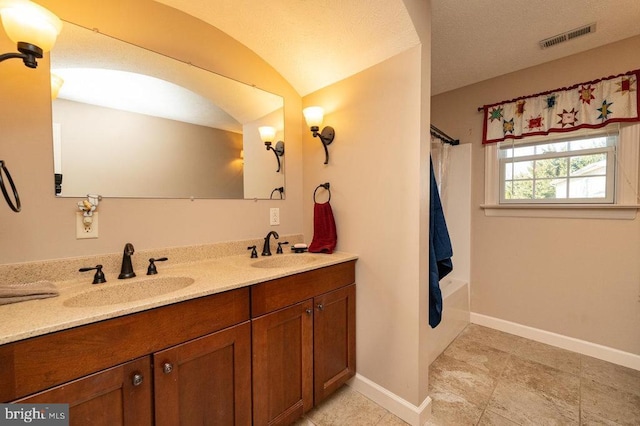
[(592, 105)]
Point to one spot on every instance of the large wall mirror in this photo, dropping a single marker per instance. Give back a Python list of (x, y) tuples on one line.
[(129, 122)]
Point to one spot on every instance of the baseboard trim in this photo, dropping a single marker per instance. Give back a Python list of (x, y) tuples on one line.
[(415, 416), (594, 350)]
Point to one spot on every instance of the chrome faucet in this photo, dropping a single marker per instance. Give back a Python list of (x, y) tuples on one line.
[(126, 271), (266, 250)]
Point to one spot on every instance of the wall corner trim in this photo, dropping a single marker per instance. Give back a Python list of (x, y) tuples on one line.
[(415, 416), (583, 347)]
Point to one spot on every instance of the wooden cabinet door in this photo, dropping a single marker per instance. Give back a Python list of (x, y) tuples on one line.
[(283, 365), (117, 396), (334, 340), (206, 381)]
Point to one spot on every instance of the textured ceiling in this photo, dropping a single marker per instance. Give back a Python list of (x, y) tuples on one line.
[(473, 40), (314, 43)]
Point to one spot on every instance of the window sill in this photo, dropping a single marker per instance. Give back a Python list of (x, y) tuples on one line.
[(576, 211)]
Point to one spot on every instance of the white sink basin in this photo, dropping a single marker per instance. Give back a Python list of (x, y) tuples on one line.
[(284, 261), (128, 291)]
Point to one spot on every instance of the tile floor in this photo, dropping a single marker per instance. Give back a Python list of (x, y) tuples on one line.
[(487, 377)]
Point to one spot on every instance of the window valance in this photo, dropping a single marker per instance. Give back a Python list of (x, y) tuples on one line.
[(592, 105)]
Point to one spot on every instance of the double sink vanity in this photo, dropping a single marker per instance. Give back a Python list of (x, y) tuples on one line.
[(213, 338)]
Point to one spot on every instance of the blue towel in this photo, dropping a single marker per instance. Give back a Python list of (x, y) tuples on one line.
[(440, 253)]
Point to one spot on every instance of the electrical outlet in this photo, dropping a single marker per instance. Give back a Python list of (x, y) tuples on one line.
[(274, 216), (84, 231)]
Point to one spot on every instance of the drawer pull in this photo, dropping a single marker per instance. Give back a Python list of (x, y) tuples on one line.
[(167, 368), (137, 379), (309, 311), (320, 307)]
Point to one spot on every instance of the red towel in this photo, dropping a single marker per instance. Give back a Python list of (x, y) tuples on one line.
[(324, 229)]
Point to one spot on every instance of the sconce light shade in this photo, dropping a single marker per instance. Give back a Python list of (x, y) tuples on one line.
[(56, 84), (30, 23), (314, 116), (267, 133)]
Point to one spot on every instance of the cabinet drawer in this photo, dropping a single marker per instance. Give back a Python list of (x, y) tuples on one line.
[(282, 292), (41, 362)]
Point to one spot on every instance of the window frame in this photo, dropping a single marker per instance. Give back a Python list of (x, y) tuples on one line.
[(609, 150), (626, 199)]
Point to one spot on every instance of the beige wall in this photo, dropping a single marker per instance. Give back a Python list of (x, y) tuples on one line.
[(575, 277), (375, 167), (45, 228)]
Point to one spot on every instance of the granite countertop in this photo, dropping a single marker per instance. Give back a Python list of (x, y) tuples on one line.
[(37, 317)]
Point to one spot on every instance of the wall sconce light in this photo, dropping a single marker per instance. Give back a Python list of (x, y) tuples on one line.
[(268, 134), (32, 27), (314, 116)]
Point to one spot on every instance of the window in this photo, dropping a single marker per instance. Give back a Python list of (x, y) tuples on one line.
[(576, 170), (591, 174)]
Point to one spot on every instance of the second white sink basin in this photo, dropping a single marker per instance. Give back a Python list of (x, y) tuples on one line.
[(284, 260), (128, 291)]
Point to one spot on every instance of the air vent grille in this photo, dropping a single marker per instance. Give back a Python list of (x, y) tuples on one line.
[(566, 36)]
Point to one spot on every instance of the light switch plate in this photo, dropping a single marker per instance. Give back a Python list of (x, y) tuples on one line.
[(81, 231), (274, 216)]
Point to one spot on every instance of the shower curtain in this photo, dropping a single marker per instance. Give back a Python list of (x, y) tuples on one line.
[(440, 158)]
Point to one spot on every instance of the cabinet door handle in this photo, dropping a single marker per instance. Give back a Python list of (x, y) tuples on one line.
[(320, 306), (167, 368), (309, 311), (137, 379)]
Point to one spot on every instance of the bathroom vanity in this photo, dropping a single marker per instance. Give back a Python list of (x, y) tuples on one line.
[(262, 349)]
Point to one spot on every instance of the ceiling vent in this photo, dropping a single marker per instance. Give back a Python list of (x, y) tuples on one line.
[(566, 36)]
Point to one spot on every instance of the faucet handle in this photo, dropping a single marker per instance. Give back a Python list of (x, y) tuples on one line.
[(279, 250), (254, 253), (152, 270), (99, 277)]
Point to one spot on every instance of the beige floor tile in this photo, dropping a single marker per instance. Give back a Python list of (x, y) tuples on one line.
[(525, 406), (590, 419), (347, 407), (391, 420), (553, 383), (613, 375), (456, 377), (448, 409), (303, 422), (484, 357), (609, 403), (490, 418), (486, 377), (494, 338), (549, 355)]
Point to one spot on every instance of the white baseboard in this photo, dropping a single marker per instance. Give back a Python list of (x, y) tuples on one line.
[(415, 416), (594, 350)]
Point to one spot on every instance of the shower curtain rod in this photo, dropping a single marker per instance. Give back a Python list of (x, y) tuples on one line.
[(439, 134)]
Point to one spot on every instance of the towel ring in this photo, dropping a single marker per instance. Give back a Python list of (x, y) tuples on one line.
[(15, 207), (326, 186)]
